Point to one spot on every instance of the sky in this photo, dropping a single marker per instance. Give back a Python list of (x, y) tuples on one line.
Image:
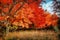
[(48, 6)]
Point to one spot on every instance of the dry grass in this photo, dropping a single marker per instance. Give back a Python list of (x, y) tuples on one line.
[(32, 35)]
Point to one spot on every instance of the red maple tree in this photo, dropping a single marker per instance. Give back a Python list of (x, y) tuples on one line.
[(28, 12)]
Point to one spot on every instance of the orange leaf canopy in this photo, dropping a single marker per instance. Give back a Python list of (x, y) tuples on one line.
[(30, 14), (35, 15), (6, 1)]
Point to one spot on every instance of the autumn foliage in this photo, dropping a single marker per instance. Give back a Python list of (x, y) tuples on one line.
[(26, 13)]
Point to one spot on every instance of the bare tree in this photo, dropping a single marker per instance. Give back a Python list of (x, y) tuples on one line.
[(56, 7)]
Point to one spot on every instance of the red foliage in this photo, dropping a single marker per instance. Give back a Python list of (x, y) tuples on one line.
[(15, 8), (1, 18), (5, 9), (6, 1), (42, 19), (28, 14), (31, 1), (39, 19), (54, 19)]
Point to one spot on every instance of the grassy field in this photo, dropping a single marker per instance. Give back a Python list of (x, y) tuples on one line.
[(32, 35)]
